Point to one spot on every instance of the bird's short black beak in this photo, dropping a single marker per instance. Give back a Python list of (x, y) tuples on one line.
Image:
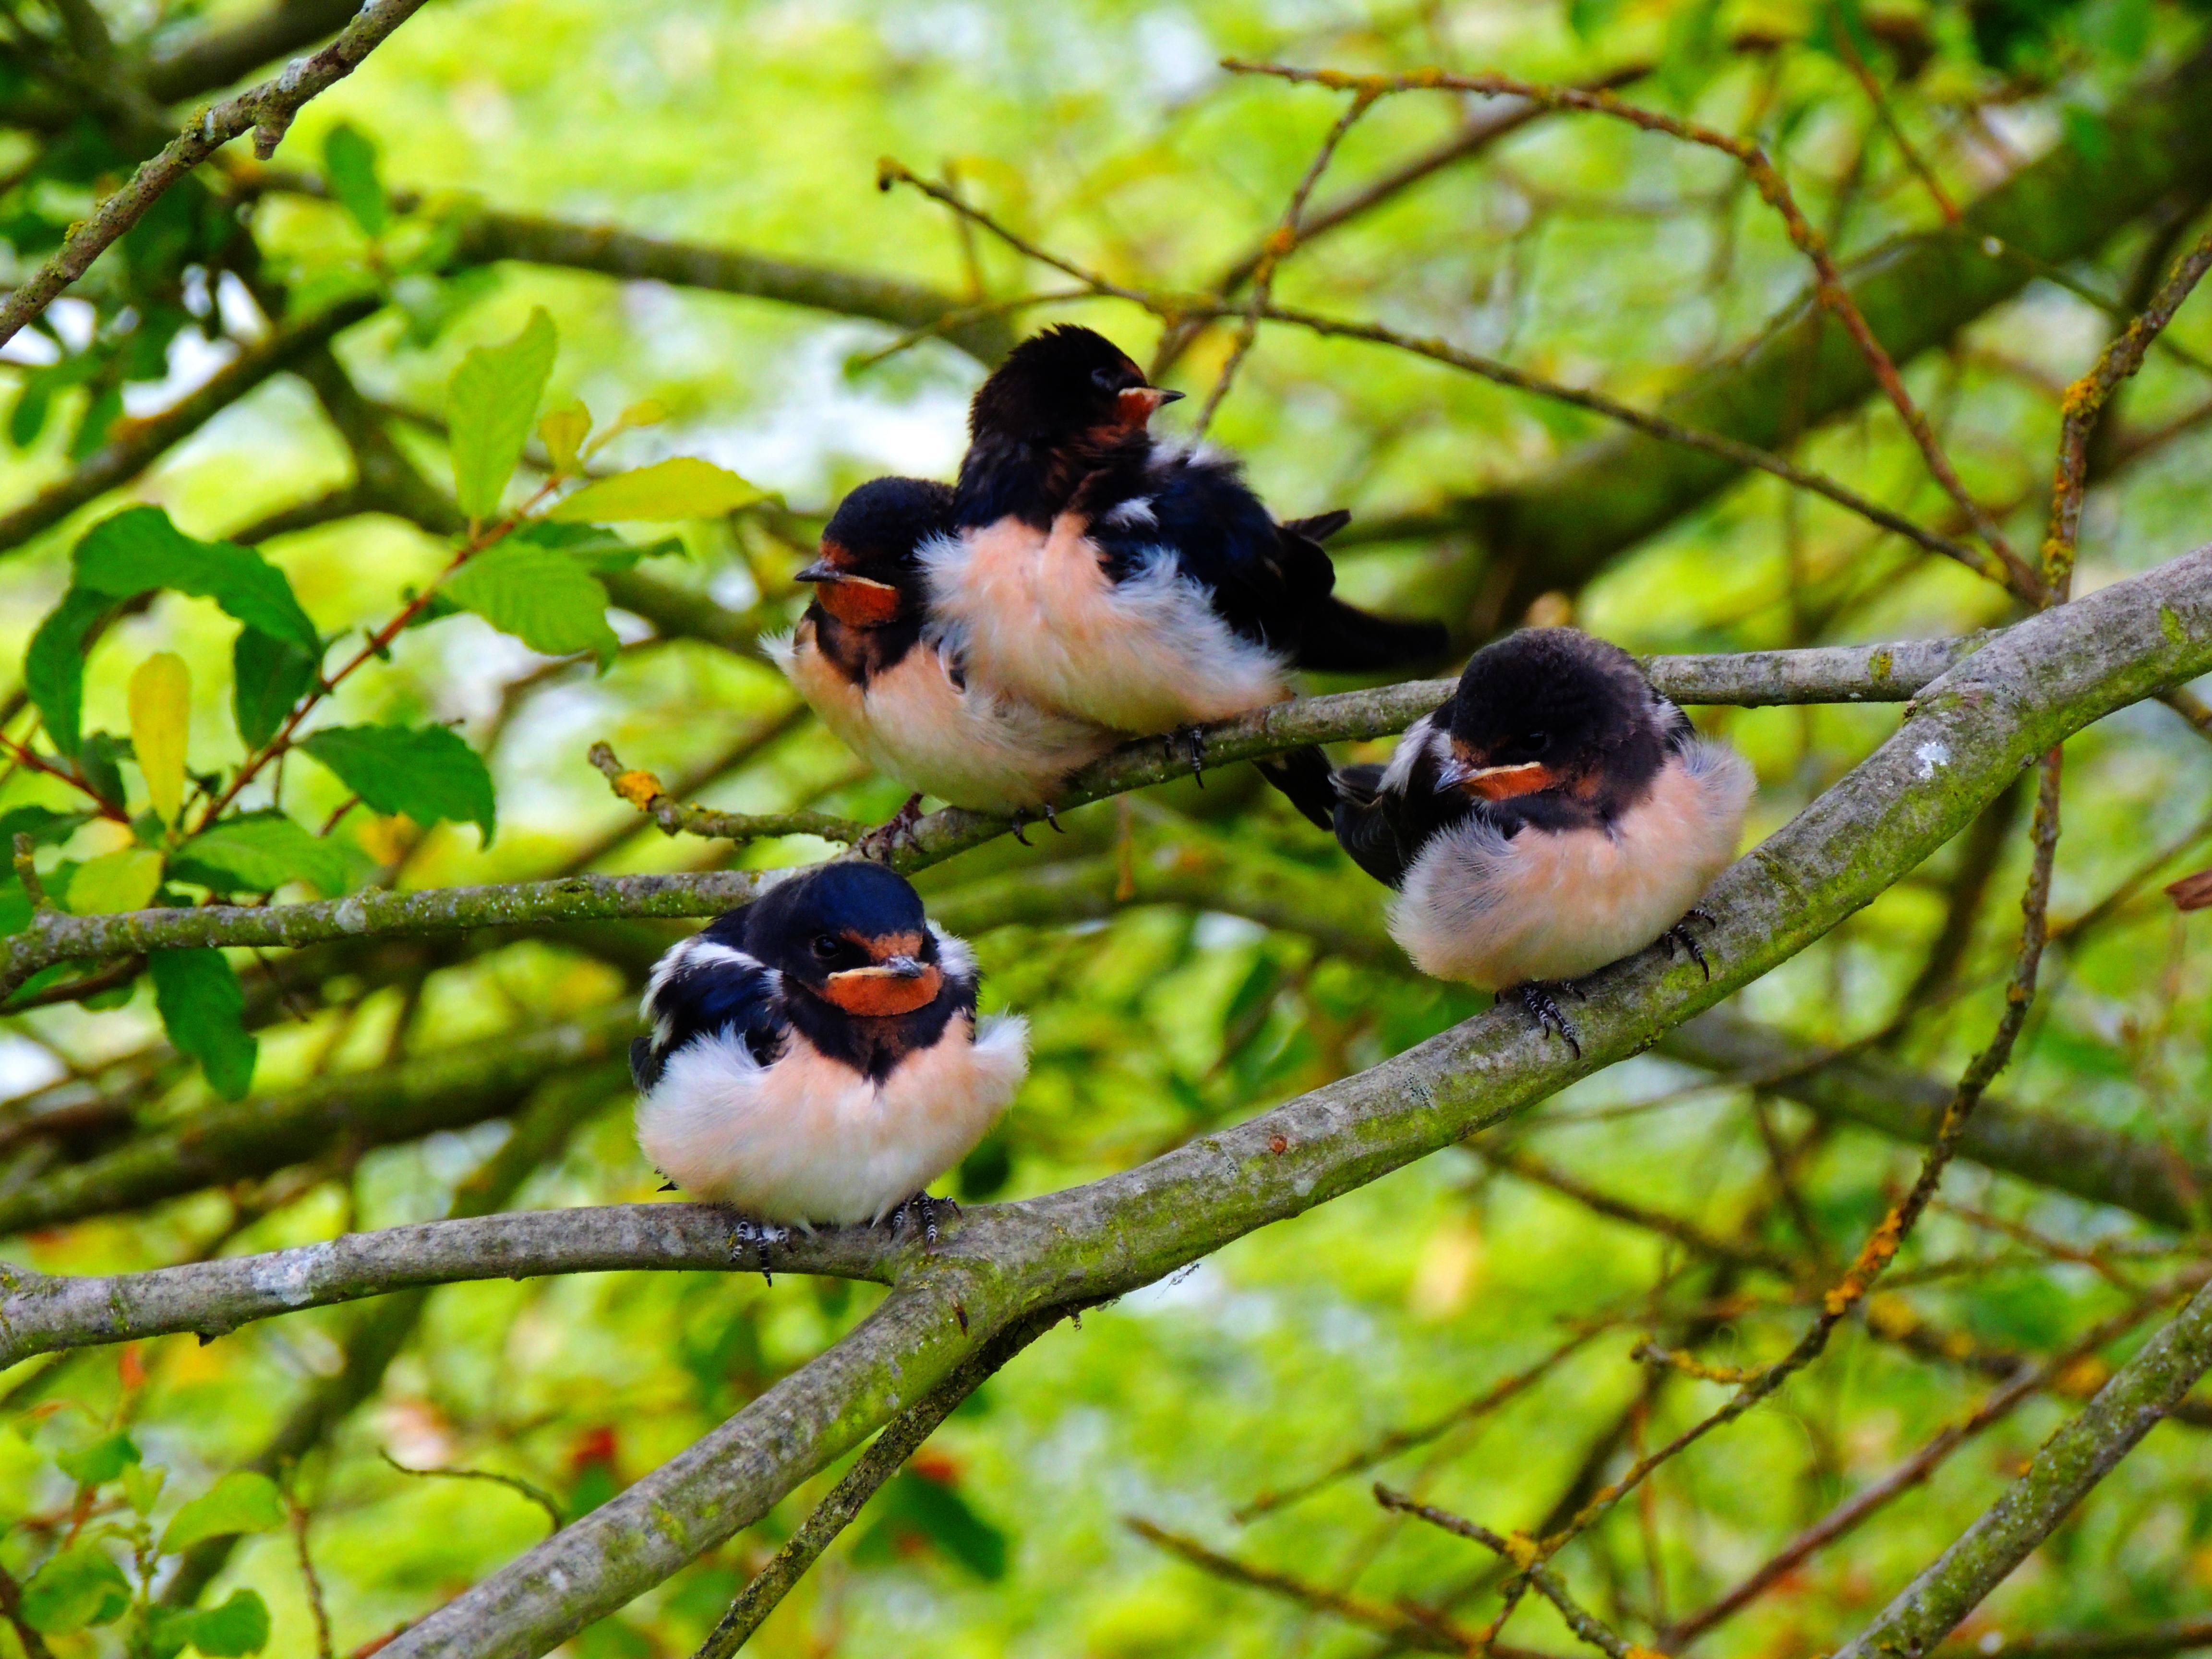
[(1168, 397), (820, 571)]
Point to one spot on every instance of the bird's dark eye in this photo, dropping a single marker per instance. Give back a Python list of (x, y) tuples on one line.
[(1106, 380), (825, 946), (1529, 745)]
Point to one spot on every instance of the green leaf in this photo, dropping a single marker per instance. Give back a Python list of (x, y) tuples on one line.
[(115, 882), (427, 772), (203, 1008), (44, 826), (494, 394), (142, 1487), (595, 548), (350, 167), (242, 1501), (96, 1462), (682, 488), (259, 853), (543, 597), (16, 911), (98, 758), (239, 1626), (269, 676), (53, 666), (78, 1588), (139, 550)]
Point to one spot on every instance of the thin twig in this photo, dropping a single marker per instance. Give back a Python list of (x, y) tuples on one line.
[(2085, 406), (538, 1495), (1177, 308), (642, 790), (1767, 180), (1278, 246), (1522, 1552)]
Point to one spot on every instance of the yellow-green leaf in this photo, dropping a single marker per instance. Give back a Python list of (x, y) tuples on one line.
[(115, 882), (683, 487), (242, 1501), (564, 431), (493, 396), (160, 715)]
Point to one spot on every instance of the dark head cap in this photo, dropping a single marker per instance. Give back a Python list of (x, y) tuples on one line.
[(1060, 384), (867, 568), (1552, 708), (852, 933)]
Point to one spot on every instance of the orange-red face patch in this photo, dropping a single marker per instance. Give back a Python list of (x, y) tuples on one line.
[(859, 603), (1503, 782), (882, 993)]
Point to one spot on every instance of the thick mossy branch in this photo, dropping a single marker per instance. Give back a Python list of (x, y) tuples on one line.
[(1829, 673), (1969, 736)]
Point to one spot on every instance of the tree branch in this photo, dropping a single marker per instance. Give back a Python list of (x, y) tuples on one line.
[(136, 445), (2071, 1461), (448, 1090), (1967, 738), (1884, 673), (266, 111), (2051, 1151), (489, 237)]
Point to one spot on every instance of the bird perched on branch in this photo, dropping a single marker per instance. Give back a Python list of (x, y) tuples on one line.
[(1118, 580), (868, 661), (816, 1056), (1557, 814)]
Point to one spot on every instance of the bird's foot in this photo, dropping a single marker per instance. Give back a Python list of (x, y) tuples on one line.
[(921, 1210), (1536, 997), (1680, 935), (1019, 821), (761, 1237), (1194, 745), (882, 841), (1052, 818)]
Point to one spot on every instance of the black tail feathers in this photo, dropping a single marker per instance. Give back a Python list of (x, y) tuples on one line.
[(1319, 527), (1304, 775), (1340, 640)]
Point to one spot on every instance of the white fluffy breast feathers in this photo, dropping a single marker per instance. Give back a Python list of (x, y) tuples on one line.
[(1037, 615), (1495, 912), (803, 1139)]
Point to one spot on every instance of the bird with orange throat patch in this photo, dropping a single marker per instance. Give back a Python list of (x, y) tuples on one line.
[(1100, 573), (871, 664), (816, 1056), (1556, 815)]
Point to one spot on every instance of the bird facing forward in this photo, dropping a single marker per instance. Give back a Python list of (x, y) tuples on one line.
[(1100, 573), (869, 662), (1557, 814), (816, 1056)]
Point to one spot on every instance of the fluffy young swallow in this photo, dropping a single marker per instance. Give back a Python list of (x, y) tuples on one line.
[(815, 1055), (1556, 815), (1102, 574), (868, 661)]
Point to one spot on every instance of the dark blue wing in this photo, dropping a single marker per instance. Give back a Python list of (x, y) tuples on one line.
[(705, 987)]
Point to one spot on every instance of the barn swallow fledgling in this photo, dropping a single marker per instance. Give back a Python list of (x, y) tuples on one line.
[(816, 1057), (1557, 814), (867, 660), (1102, 574)]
